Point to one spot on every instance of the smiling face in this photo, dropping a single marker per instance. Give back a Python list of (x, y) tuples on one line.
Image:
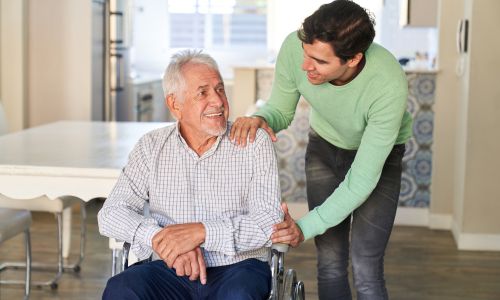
[(202, 110), (322, 65)]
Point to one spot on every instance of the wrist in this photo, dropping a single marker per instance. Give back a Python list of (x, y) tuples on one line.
[(259, 117), (202, 233)]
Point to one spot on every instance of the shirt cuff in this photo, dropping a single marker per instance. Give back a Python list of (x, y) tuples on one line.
[(214, 236), (145, 233), (311, 224)]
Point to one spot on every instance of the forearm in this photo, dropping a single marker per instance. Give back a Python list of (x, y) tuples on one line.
[(239, 234)]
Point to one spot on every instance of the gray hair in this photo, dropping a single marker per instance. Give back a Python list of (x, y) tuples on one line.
[(173, 80)]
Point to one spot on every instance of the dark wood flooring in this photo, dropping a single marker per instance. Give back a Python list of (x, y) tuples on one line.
[(420, 264)]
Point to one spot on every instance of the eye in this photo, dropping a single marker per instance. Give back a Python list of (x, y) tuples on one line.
[(201, 93)]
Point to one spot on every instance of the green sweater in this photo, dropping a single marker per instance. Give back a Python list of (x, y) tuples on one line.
[(368, 114)]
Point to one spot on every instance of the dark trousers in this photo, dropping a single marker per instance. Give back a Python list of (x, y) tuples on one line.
[(249, 279), (369, 230)]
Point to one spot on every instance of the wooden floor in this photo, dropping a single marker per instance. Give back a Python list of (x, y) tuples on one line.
[(420, 264)]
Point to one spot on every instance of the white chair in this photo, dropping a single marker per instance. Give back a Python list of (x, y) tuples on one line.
[(12, 223), (56, 206)]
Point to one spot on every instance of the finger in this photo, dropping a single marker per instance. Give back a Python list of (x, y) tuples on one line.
[(287, 239), (237, 133), (203, 268), (233, 129), (179, 268), (271, 133), (253, 133), (195, 268), (281, 226), (244, 135), (171, 257), (282, 232), (295, 243), (187, 268)]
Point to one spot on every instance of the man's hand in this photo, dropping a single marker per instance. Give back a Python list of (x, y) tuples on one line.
[(191, 264), (287, 232), (178, 239), (245, 127)]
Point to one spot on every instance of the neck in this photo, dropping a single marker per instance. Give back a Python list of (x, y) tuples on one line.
[(350, 74), (199, 143)]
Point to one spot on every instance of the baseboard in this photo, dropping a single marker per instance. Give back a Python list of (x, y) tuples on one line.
[(440, 221), (475, 241), (416, 216), (412, 216)]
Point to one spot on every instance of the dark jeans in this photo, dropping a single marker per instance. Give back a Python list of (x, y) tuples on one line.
[(369, 231), (249, 279)]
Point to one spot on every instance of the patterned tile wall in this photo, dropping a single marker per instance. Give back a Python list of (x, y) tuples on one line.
[(417, 162)]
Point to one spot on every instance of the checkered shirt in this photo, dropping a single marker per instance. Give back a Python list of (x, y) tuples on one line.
[(234, 192)]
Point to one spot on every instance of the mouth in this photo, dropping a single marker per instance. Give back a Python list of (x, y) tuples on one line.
[(214, 114), (311, 75)]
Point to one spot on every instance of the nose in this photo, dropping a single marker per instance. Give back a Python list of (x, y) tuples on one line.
[(307, 64), (217, 99)]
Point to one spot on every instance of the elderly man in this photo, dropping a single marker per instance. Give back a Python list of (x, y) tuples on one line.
[(212, 203)]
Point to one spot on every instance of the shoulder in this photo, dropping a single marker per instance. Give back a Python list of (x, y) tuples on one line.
[(385, 72), (156, 137), (291, 48)]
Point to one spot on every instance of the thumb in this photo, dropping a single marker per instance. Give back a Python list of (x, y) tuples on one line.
[(284, 207)]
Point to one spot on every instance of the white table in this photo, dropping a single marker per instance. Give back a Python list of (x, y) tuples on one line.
[(81, 159)]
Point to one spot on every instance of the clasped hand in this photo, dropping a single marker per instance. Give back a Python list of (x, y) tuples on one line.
[(178, 246)]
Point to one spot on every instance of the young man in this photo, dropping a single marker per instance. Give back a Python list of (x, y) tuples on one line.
[(359, 125), (212, 204)]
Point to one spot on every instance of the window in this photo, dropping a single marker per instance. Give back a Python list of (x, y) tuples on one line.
[(235, 30)]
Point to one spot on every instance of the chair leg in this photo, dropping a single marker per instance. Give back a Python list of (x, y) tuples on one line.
[(60, 261), (27, 240)]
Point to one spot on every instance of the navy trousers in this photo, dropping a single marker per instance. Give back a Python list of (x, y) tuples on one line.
[(249, 279), (364, 234)]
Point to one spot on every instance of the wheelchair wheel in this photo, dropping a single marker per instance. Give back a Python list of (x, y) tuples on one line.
[(299, 291), (289, 285)]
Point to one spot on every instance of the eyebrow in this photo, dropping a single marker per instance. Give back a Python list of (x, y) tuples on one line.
[(316, 59), (206, 86)]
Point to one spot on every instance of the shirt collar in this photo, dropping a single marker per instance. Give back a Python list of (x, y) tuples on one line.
[(186, 147)]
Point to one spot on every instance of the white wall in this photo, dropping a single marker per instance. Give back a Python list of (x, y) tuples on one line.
[(404, 41), (60, 66), (13, 62), (466, 147), (448, 86)]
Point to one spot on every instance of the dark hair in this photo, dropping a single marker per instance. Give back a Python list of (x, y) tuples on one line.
[(345, 25)]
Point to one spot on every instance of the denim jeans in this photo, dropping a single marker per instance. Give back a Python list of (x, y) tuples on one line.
[(368, 231)]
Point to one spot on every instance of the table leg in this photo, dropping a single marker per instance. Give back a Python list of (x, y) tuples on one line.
[(66, 231)]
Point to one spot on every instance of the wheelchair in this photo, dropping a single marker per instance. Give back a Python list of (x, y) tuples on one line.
[(283, 286)]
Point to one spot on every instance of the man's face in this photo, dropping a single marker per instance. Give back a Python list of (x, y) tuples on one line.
[(204, 109), (321, 64)]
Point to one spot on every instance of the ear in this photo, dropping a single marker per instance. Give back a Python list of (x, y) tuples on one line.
[(353, 62), (173, 105)]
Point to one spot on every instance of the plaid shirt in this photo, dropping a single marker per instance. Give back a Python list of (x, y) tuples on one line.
[(234, 192)]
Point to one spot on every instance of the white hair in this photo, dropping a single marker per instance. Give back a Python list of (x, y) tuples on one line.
[(173, 80)]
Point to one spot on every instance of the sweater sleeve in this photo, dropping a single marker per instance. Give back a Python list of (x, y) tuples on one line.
[(383, 124), (280, 108)]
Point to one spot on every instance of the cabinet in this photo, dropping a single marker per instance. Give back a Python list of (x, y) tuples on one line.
[(419, 13), (148, 102)]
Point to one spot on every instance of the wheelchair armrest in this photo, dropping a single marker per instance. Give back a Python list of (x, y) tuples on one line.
[(280, 247), (125, 254)]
